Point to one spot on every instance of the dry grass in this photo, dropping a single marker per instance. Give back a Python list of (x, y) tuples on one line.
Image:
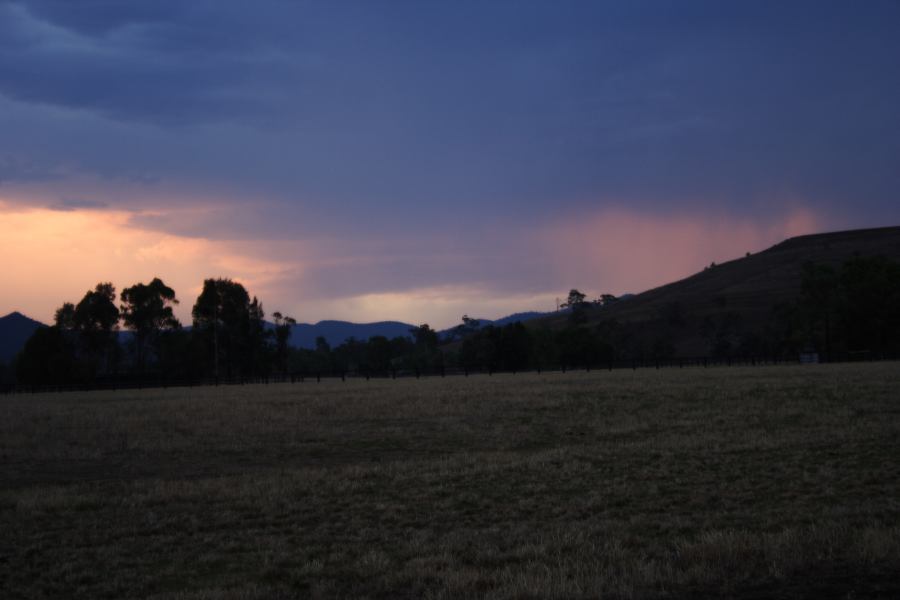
[(750, 483)]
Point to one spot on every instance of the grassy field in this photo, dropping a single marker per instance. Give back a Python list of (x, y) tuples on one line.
[(745, 482)]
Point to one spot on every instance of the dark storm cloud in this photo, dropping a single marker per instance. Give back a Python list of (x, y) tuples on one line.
[(503, 106), (20, 169), (167, 62), (100, 17), (417, 141)]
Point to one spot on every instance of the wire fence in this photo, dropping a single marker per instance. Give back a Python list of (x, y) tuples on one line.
[(161, 381)]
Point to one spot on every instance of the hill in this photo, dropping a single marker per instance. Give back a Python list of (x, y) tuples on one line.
[(737, 295), (732, 301), (15, 329), (452, 334), (516, 317), (304, 335)]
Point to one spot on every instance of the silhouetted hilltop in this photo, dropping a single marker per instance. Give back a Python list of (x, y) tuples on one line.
[(517, 317), (744, 290), (15, 329)]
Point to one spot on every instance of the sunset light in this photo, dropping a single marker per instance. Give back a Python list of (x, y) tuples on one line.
[(500, 299)]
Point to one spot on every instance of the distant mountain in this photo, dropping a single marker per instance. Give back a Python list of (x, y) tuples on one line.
[(15, 329), (449, 333), (304, 335)]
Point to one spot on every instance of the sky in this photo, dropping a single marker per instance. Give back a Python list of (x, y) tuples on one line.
[(421, 160)]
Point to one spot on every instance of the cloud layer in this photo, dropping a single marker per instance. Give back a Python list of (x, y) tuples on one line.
[(54, 256), (362, 161)]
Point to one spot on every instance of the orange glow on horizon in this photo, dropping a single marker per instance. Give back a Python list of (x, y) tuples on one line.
[(56, 256)]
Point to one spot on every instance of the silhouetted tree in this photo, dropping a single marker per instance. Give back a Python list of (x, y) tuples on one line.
[(65, 316), (467, 327), (321, 359), (608, 299), (96, 319), (378, 354), (514, 347), (402, 350), (818, 302), (868, 304), (283, 327), (545, 351), (577, 347), (616, 339), (477, 351), (426, 355), (577, 304), (350, 355), (231, 326), (254, 341), (48, 358), (425, 336), (146, 310), (849, 309)]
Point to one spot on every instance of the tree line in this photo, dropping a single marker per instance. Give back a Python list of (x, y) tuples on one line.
[(228, 336), (848, 311), (845, 312)]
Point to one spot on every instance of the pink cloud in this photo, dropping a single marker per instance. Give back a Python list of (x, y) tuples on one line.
[(617, 250), (55, 256)]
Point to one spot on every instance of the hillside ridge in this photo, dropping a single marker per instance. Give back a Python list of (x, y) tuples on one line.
[(747, 288)]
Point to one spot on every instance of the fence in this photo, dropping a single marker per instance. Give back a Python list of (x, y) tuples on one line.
[(133, 382)]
